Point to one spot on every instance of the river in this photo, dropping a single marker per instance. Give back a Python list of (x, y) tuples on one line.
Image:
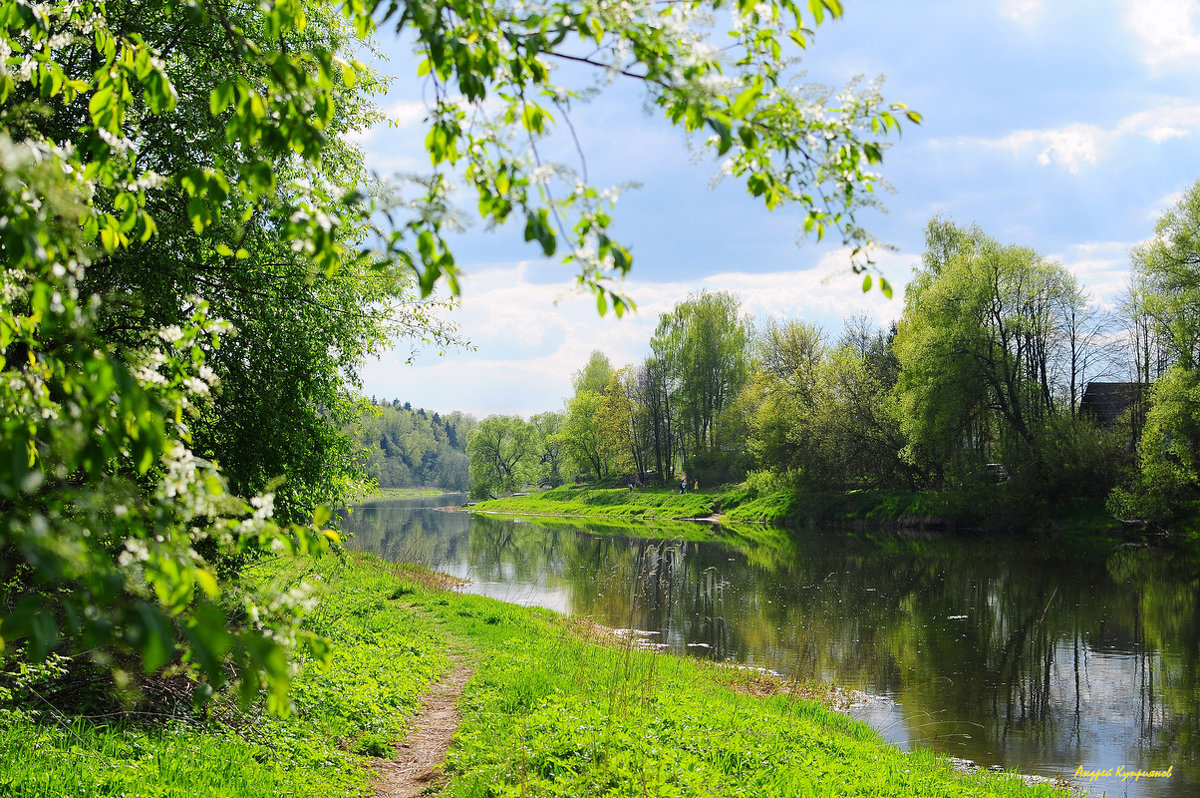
[(1032, 657)]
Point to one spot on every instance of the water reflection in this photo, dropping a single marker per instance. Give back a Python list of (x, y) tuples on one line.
[(1034, 658)]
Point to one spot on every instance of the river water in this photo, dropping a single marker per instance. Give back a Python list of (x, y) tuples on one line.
[(1038, 658)]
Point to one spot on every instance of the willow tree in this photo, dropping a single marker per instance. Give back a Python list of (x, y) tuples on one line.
[(976, 346)]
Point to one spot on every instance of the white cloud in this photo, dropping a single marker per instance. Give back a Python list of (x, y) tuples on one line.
[(1166, 31), (1070, 146), (532, 337), (1163, 204), (406, 114), (1101, 267), (1023, 11), (1079, 144)]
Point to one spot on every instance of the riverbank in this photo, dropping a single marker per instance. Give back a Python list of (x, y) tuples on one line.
[(555, 707), (404, 493), (989, 508)]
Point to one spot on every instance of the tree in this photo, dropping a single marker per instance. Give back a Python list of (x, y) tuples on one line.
[(617, 420), (653, 397), (551, 448), (1164, 274), (703, 344), (141, 167), (405, 448), (827, 415), (981, 330), (596, 375), (783, 392), (495, 97), (1166, 303), (502, 451), (583, 436)]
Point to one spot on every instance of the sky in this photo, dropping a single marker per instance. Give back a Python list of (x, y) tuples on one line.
[(1062, 125)]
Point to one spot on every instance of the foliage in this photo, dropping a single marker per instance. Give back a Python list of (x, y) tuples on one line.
[(979, 349), (583, 434), (1167, 485), (406, 447), (501, 450), (495, 97), (596, 374), (116, 535), (551, 455), (824, 415), (1164, 274), (702, 348)]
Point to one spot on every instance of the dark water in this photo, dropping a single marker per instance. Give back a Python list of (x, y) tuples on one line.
[(1037, 659)]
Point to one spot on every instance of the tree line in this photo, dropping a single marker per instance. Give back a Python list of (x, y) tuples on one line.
[(404, 447), (983, 379)]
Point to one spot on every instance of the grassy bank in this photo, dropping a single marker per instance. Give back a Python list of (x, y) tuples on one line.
[(619, 503), (991, 507), (404, 493), (556, 707)]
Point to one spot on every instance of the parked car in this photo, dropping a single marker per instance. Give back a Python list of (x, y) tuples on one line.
[(994, 472)]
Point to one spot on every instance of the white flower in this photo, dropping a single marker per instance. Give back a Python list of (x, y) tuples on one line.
[(170, 334)]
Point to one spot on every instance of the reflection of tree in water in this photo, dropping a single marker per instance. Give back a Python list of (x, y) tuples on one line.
[(393, 531), (1167, 589)]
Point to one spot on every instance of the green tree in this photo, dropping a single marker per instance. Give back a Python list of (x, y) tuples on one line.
[(495, 97), (617, 421), (405, 448), (596, 375), (981, 331), (169, 165), (783, 392), (552, 455), (141, 165), (826, 415), (703, 343), (583, 436), (503, 451), (1164, 275), (1165, 272)]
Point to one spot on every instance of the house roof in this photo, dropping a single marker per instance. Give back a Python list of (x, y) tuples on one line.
[(1104, 402)]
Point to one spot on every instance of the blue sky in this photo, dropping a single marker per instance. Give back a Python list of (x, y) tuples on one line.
[(1062, 125)]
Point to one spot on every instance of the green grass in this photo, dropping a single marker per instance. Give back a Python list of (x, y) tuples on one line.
[(989, 507), (405, 493), (556, 707), (383, 660), (620, 503)]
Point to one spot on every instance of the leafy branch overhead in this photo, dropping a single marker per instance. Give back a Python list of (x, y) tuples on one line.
[(498, 71)]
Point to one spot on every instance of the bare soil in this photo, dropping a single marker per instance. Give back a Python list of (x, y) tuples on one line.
[(417, 765)]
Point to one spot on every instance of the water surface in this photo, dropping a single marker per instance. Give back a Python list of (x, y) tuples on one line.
[(1026, 657)]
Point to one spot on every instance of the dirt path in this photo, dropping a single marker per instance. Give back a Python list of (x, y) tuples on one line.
[(418, 761)]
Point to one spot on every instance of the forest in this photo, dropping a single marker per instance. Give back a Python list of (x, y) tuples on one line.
[(406, 448), (983, 383)]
